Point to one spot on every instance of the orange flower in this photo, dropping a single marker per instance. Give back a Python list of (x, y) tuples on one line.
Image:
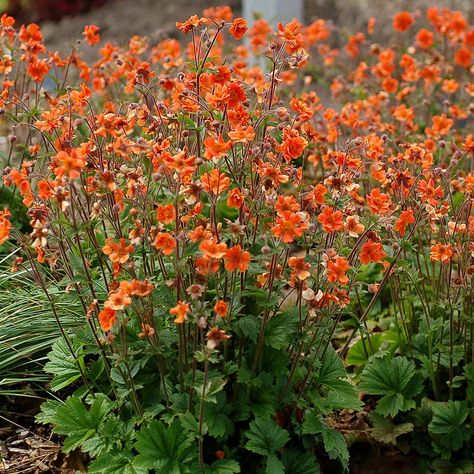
[(118, 300), (371, 25), (331, 220), (117, 252), (180, 310), (316, 196), (165, 242), (238, 28), (337, 268), (286, 203), (221, 308), (242, 134), (372, 252), (402, 21), (353, 227), (235, 198), (406, 218), (5, 226), (166, 213), (291, 33), (289, 225), (293, 145), (430, 192), (192, 22), (206, 265), (69, 164), (441, 253), (91, 34), (424, 38), (141, 288), (211, 249), (215, 182), (379, 203), (216, 148), (38, 70), (214, 337), (107, 318), (300, 267), (235, 258), (199, 233), (463, 57), (441, 125), (403, 113)]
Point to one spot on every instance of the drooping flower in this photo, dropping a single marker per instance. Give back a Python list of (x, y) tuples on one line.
[(235, 198), (192, 22), (215, 336)]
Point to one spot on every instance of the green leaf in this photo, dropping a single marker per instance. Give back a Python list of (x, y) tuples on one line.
[(62, 365), (342, 396), (280, 329), (266, 437), (299, 463), (365, 347), (79, 424), (393, 378), (218, 423), (448, 424), (213, 387), (274, 465), (334, 442), (223, 466), (247, 326), (469, 374), (167, 449), (116, 462), (340, 393), (47, 415), (189, 422), (332, 368), (384, 431)]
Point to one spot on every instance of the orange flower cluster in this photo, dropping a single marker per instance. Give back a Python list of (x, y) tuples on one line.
[(192, 169)]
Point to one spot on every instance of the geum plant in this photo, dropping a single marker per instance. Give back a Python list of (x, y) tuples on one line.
[(220, 231)]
